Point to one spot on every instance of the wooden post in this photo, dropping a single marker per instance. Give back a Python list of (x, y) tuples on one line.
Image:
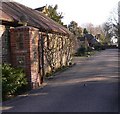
[(41, 58)]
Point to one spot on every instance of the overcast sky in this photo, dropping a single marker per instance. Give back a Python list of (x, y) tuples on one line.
[(81, 11)]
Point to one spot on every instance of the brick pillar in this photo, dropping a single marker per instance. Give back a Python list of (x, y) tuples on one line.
[(24, 52)]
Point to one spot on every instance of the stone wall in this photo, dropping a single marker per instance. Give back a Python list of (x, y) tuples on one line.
[(34, 57), (57, 52)]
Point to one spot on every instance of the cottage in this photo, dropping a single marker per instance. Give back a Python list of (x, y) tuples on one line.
[(83, 42), (92, 41), (33, 41)]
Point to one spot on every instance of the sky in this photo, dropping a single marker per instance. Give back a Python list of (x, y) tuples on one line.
[(80, 11)]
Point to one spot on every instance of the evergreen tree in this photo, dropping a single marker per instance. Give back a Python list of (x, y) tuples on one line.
[(73, 27), (85, 31), (53, 14)]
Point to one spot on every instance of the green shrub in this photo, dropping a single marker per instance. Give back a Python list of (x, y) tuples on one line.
[(12, 80), (89, 49), (81, 51), (99, 47)]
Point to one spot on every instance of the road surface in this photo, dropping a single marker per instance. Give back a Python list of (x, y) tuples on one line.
[(89, 86)]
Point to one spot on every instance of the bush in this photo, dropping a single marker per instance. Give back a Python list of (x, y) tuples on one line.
[(90, 49), (81, 51), (99, 47), (12, 80)]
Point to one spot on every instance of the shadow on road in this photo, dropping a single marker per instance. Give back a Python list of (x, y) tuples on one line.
[(89, 86)]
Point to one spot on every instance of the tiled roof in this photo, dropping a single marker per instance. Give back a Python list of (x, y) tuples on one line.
[(89, 36), (15, 12)]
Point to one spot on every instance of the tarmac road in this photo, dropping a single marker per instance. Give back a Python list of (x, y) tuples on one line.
[(89, 86)]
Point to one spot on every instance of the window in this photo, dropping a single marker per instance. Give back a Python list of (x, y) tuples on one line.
[(21, 61), (19, 42)]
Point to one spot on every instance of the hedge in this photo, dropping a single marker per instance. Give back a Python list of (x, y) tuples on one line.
[(12, 80)]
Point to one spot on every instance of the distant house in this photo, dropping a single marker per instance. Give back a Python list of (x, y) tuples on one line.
[(98, 37), (43, 9), (88, 40), (33, 41), (92, 41), (83, 42)]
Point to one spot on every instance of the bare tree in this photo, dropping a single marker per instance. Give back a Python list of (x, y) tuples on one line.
[(112, 26), (119, 24)]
